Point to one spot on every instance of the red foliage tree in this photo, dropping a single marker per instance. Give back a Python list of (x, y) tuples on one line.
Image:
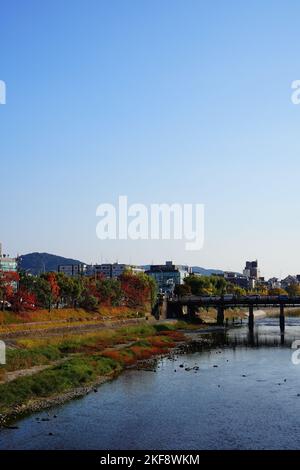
[(8, 286), (23, 301), (135, 288)]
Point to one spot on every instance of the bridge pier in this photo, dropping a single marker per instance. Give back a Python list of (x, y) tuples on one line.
[(175, 310), (191, 312), (220, 315), (281, 318), (251, 339), (251, 317)]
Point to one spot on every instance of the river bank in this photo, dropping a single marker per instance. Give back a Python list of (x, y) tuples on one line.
[(85, 362)]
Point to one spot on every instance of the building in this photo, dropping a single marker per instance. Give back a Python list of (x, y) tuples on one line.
[(252, 273), (106, 270), (72, 269), (114, 270), (168, 275), (251, 270), (103, 270), (237, 279), (274, 283), (7, 263), (288, 281)]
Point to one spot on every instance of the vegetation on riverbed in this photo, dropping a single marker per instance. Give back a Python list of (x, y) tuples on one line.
[(32, 351), (80, 360), (73, 373)]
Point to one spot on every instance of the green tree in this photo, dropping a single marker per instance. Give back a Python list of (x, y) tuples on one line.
[(293, 290), (182, 289), (43, 293), (277, 291)]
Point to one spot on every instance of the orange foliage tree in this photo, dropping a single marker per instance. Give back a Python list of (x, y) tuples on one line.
[(138, 289)]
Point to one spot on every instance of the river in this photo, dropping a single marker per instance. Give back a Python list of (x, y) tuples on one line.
[(245, 395)]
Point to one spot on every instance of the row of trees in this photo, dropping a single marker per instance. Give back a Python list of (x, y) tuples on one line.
[(24, 292), (207, 285), (54, 290), (215, 285)]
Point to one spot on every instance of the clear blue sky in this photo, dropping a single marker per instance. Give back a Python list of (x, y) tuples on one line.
[(163, 101)]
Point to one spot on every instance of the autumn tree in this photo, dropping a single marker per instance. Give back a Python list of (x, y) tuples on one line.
[(23, 300), (46, 290), (138, 289), (109, 291), (8, 285)]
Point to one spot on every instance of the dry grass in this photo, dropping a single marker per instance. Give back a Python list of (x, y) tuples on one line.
[(142, 350), (69, 315), (210, 315), (63, 314), (62, 318), (175, 335)]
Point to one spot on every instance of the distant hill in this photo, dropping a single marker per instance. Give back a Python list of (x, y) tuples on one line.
[(205, 272), (37, 263)]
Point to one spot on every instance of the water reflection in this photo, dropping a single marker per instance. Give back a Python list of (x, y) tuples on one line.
[(266, 333)]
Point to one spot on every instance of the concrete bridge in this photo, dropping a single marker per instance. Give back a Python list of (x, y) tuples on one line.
[(193, 302)]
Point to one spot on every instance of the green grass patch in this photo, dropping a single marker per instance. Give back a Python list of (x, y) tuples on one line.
[(71, 374), (25, 358)]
